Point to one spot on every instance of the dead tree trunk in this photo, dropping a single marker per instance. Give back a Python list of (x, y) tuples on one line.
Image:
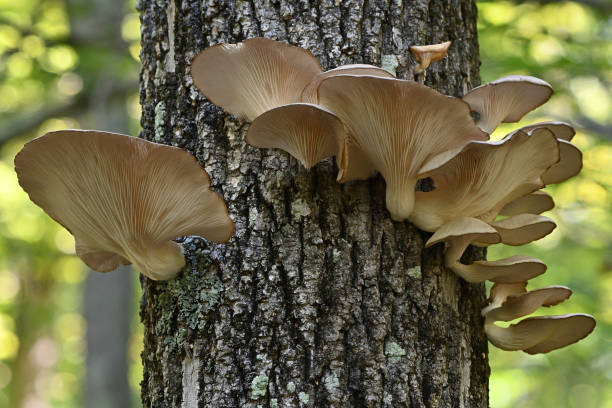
[(319, 300)]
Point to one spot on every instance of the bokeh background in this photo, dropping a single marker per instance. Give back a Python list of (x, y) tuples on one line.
[(74, 64)]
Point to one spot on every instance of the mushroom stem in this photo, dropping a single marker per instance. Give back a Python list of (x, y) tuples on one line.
[(400, 198)]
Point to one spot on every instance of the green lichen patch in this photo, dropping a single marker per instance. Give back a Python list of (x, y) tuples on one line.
[(259, 386), (182, 304), (303, 397), (273, 403), (291, 387), (331, 383), (390, 63), (394, 352)]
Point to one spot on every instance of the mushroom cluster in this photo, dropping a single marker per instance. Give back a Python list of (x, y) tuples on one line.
[(374, 123), (122, 198)]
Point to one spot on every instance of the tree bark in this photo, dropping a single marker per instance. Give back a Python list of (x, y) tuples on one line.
[(319, 299)]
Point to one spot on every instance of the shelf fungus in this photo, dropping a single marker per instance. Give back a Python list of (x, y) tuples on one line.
[(506, 100), (426, 54), (399, 127), (484, 177), (463, 231), (532, 203), (254, 76), (122, 198), (533, 335), (308, 132), (570, 157)]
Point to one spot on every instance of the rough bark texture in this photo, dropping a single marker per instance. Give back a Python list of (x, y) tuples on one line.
[(319, 300)]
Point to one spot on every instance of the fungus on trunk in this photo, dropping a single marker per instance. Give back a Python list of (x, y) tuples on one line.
[(533, 335), (308, 132), (484, 177), (122, 198), (532, 203), (461, 232), (426, 54), (523, 228), (400, 127), (254, 76), (506, 100)]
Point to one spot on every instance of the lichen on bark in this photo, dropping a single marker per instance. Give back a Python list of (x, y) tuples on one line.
[(318, 291)]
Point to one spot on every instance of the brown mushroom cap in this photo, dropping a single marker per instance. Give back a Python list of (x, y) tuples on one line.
[(532, 203), (308, 132), (124, 199), (514, 269), (398, 125), (507, 99), (484, 177), (426, 54), (523, 228), (522, 304), (570, 164), (256, 75), (309, 95), (541, 334)]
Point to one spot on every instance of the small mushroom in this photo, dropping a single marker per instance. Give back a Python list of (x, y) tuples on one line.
[(461, 232), (426, 54), (535, 334), (122, 198), (308, 132), (399, 126), (506, 100), (484, 177), (254, 76), (523, 228), (532, 203)]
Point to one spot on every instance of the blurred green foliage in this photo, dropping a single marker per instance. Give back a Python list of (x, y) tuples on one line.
[(48, 76)]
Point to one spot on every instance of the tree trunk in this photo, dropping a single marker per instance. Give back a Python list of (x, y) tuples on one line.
[(319, 299)]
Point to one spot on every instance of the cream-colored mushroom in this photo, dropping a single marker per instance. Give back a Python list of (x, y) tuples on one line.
[(124, 199), (484, 177), (535, 334), (461, 232), (254, 76), (426, 54), (308, 132), (570, 157), (398, 126), (506, 100), (523, 228), (532, 203)]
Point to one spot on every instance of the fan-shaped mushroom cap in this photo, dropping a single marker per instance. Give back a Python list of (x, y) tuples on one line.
[(459, 233), (570, 157), (426, 54), (398, 125), (532, 203), (484, 177), (514, 269), (541, 334), (309, 94), (256, 75), (570, 164), (122, 198), (308, 132), (522, 304), (507, 99), (523, 228)]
